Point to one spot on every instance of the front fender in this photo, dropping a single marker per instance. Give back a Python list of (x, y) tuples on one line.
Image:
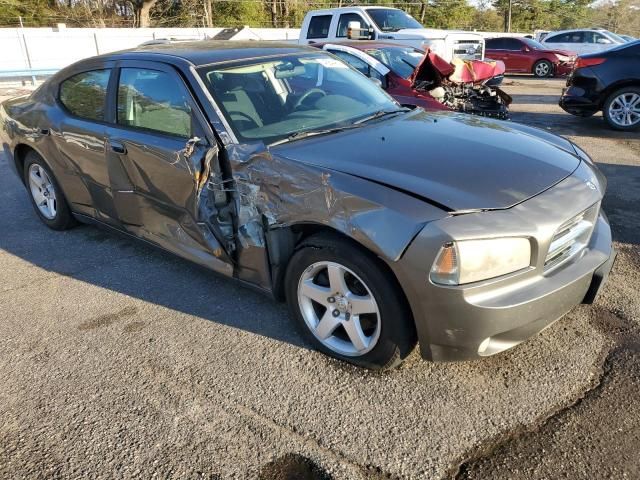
[(277, 192)]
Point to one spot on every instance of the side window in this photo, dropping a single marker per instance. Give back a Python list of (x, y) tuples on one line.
[(360, 65), (355, 62), (343, 23), (153, 100), (319, 26), (512, 44), (85, 94), (562, 38), (495, 44), (595, 37)]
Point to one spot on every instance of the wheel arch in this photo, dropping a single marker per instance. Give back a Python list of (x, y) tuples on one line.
[(283, 242), (20, 152), (606, 93)]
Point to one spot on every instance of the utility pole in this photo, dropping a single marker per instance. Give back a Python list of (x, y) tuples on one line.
[(507, 22)]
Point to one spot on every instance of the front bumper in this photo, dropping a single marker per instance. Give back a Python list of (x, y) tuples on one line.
[(564, 68), (483, 318)]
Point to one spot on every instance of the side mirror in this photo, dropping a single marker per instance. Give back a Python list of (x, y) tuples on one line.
[(603, 41), (356, 32), (526, 49), (353, 30)]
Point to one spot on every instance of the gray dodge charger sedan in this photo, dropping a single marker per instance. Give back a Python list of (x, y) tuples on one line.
[(286, 169)]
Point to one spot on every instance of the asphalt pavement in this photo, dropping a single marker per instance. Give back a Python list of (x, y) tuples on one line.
[(119, 360)]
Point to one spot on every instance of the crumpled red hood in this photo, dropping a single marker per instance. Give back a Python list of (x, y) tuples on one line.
[(433, 67)]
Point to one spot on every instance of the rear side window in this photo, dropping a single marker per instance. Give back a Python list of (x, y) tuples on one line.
[(343, 23), (319, 26), (153, 100), (85, 94)]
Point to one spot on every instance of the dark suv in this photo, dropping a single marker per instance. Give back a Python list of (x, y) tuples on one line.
[(607, 81)]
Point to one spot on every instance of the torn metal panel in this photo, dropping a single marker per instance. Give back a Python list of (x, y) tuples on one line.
[(273, 192)]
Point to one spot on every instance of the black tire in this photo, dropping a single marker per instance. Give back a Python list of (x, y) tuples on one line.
[(607, 114), (397, 336), (548, 69), (63, 218)]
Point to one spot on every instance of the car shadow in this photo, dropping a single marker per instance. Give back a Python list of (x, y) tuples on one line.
[(127, 266)]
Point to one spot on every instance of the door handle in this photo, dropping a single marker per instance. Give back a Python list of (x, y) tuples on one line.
[(118, 147)]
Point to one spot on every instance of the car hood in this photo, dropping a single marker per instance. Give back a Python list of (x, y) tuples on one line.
[(456, 161)]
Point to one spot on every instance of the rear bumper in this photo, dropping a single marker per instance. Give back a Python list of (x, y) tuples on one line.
[(484, 318), (577, 101)]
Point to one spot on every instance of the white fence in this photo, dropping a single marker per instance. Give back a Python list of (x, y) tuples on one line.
[(43, 50), (52, 48)]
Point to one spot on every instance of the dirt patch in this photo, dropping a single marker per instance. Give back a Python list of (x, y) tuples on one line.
[(293, 467), (107, 319)]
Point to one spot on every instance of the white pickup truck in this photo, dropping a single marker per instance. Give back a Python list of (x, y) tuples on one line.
[(388, 25)]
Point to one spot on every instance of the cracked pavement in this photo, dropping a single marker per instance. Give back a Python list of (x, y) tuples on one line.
[(120, 360)]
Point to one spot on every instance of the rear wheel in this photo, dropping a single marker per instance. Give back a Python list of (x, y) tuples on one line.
[(621, 110), (46, 196), (347, 305), (542, 69)]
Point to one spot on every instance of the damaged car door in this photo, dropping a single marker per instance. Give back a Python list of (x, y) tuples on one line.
[(160, 156)]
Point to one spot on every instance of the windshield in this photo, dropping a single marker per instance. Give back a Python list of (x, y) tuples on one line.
[(285, 96), (534, 44), (391, 20), (400, 60)]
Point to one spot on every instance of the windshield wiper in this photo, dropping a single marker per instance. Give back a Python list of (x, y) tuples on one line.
[(380, 114), (311, 133)]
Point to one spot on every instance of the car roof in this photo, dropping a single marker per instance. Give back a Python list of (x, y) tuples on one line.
[(361, 44), (600, 30), (351, 8), (204, 52)]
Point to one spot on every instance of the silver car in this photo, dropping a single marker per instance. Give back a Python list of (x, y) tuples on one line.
[(285, 169)]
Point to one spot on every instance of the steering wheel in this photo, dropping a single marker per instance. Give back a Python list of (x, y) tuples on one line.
[(244, 116), (307, 94)]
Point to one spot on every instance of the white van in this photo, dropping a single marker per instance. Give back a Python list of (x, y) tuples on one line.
[(388, 25)]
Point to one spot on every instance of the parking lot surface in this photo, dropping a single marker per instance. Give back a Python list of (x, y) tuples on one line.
[(118, 360)]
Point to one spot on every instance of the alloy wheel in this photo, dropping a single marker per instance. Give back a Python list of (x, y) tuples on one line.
[(339, 309), (624, 110), (43, 191), (542, 69)]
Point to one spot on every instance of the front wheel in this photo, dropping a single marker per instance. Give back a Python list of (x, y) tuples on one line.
[(346, 303), (543, 69), (621, 110)]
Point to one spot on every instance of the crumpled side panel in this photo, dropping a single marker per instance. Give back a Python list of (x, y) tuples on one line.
[(275, 192)]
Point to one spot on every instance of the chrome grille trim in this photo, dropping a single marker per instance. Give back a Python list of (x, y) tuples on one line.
[(461, 49), (571, 238)]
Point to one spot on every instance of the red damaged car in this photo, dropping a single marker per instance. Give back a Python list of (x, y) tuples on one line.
[(415, 77), (524, 55)]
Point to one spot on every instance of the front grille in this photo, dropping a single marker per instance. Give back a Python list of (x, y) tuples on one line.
[(468, 49), (571, 238)]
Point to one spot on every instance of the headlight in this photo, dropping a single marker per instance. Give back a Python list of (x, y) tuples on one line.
[(469, 261), (562, 58)]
